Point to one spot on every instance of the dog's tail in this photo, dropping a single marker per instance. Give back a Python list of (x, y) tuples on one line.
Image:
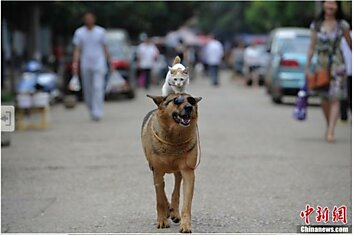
[(177, 60)]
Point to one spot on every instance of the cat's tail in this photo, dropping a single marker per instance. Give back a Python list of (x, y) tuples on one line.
[(177, 60)]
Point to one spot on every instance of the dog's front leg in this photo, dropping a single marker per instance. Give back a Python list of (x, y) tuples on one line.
[(162, 206), (188, 188), (175, 216)]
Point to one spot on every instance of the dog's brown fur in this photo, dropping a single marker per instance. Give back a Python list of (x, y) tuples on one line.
[(171, 148)]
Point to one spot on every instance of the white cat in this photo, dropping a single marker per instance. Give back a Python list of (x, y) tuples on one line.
[(177, 78)]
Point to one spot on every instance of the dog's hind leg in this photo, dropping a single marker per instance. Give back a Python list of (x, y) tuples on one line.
[(175, 215), (162, 205), (188, 189)]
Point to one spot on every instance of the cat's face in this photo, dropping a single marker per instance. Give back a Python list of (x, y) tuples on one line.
[(179, 76)]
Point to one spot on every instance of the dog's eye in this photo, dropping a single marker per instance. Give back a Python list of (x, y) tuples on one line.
[(175, 79), (178, 100), (191, 100)]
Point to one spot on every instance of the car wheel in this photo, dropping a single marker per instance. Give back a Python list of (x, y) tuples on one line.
[(131, 94), (276, 99)]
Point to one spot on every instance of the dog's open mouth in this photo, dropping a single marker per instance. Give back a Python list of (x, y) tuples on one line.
[(183, 120)]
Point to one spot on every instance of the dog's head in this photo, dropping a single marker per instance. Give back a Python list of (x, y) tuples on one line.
[(177, 109)]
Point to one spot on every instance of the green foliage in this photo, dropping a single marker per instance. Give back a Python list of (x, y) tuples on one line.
[(155, 18), (225, 17), (160, 17), (267, 15)]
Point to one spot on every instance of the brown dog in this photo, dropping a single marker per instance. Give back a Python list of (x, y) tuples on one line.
[(170, 141)]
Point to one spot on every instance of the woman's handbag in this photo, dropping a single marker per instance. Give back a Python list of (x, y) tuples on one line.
[(319, 80)]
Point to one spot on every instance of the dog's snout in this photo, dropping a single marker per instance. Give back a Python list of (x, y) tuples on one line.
[(188, 108)]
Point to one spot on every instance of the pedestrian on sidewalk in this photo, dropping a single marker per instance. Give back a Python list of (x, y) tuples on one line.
[(236, 58), (213, 55), (346, 103), (147, 54), (252, 63), (327, 31), (92, 53)]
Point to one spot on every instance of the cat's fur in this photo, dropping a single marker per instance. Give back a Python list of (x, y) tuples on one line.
[(177, 78)]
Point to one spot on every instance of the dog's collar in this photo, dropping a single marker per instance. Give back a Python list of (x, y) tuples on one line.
[(165, 141)]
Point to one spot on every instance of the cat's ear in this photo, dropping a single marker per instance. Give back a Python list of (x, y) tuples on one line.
[(186, 70), (173, 71)]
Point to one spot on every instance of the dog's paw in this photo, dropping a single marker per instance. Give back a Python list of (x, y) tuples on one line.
[(175, 216), (185, 228), (163, 224)]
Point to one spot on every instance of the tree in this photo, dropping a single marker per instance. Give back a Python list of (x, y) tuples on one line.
[(154, 18), (265, 16)]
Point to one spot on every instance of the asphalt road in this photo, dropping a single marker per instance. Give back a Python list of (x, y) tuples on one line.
[(259, 168)]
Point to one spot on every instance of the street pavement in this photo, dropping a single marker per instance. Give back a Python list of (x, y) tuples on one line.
[(259, 167)]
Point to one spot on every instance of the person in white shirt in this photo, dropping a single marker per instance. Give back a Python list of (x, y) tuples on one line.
[(92, 53), (347, 103), (251, 61), (213, 54), (147, 54)]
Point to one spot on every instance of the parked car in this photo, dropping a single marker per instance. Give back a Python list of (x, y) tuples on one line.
[(285, 73), (119, 46)]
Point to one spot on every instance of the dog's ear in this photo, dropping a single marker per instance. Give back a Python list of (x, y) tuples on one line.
[(186, 70), (197, 99), (157, 99)]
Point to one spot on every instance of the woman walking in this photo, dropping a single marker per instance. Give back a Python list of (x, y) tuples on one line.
[(327, 32)]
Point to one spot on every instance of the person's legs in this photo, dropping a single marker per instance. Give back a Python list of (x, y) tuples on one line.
[(344, 109), (87, 78), (98, 95), (213, 74), (216, 83), (325, 108), (333, 117), (254, 77), (147, 78)]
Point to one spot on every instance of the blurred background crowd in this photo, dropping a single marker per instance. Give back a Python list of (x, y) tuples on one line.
[(254, 36)]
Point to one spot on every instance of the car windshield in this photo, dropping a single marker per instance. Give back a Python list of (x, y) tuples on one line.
[(299, 44), (118, 49)]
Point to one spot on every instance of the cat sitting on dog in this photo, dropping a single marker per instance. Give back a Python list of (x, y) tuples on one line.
[(177, 78)]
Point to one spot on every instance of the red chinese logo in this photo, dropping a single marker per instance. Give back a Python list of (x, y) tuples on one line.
[(323, 213), (306, 213), (339, 214)]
